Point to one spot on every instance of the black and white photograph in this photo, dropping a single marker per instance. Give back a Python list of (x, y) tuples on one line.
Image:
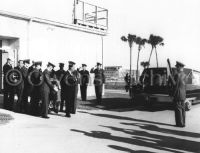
[(99, 76)]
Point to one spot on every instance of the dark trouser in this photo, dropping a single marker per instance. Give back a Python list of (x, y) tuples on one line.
[(62, 93), (8, 99), (83, 92), (53, 99), (19, 91), (35, 99), (180, 113), (25, 98), (45, 102), (98, 91), (71, 99)]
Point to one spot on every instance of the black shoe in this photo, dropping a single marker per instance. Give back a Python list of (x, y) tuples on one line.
[(47, 117), (67, 115)]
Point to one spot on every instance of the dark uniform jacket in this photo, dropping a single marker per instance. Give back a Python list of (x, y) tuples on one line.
[(180, 86), (99, 77), (84, 78), (60, 74), (47, 84), (6, 68)]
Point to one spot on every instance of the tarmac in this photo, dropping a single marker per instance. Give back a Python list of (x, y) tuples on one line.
[(101, 131)]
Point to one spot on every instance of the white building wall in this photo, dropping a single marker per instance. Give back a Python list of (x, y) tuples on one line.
[(43, 42)]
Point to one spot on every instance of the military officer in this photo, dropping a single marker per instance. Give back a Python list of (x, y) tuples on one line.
[(35, 93), (26, 86), (20, 88), (46, 87), (179, 94), (99, 80), (84, 80), (70, 85), (8, 91), (59, 75), (54, 94)]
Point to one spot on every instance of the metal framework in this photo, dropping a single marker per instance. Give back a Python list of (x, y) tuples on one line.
[(89, 15)]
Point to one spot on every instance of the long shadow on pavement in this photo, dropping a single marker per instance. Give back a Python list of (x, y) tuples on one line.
[(124, 118), (127, 149), (148, 125), (120, 104), (145, 139)]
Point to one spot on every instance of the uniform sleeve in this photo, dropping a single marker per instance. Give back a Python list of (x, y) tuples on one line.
[(47, 80)]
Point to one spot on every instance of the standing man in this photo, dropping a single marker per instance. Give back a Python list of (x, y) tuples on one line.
[(70, 85), (99, 80), (46, 87), (35, 93), (179, 94), (8, 91), (26, 86), (59, 75), (84, 81), (20, 88)]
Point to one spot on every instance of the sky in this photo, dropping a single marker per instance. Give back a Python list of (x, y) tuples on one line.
[(177, 21)]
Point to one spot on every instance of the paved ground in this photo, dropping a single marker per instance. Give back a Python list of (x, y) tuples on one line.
[(102, 131)]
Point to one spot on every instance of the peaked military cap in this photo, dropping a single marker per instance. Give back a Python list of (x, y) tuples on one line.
[(98, 64), (84, 65), (38, 63), (179, 64), (61, 64), (26, 61), (71, 63), (50, 64)]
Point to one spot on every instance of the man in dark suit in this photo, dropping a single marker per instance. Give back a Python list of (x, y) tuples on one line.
[(46, 87), (99, 80), (70, 85), (26, 86), (84, 80), (35, 93), (179, 94), (59, 75), (8, 90), (20, 88)]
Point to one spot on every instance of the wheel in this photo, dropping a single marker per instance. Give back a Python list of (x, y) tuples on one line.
[(188, 105)]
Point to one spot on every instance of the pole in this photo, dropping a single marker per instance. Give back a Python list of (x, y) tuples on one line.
[(130, 71), (102, 49)]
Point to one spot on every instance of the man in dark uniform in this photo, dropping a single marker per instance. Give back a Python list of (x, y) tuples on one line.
[(20, 88), (54, 104), (46, 87), (179, 94), (8, 91), (59, 75), (99, 80), (70, 85), (35, 93), (84, 81), (26, 86)]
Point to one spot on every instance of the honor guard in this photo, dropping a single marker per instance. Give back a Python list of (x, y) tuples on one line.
[(20, 88), (99, 80), (26, 86), (36, 90), (59, 75), (179, 94), (8, 90), (46, 87), (84, 80), (70, 85)]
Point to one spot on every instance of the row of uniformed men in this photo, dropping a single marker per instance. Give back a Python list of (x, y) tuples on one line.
[(67, 81)]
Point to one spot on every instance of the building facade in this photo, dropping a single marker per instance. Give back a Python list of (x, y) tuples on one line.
[(38, 39)]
